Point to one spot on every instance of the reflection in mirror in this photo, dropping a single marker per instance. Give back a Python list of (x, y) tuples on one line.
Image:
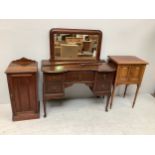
[(75, 46)]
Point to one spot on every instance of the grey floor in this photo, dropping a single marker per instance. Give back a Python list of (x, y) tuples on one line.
[(86, 116)]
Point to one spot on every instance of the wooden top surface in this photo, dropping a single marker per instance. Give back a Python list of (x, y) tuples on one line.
[(49, 67), (127, 60), (22, 65)]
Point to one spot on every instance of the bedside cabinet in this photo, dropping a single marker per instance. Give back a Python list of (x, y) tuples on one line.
[(129, 70), (22, 76)]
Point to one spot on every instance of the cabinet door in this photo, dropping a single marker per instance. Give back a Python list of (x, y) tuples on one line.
[(23, 93), (53, 83), (135, 74), (103, 82), (122, 74)]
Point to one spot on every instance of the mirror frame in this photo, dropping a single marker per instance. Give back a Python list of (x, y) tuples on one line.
[(74, 31)]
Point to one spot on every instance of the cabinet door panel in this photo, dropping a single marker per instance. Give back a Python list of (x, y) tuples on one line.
[(135, 73), (122, 73), (23, 92)]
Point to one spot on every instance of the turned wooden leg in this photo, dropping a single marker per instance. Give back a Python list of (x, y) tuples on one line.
[(138, 86), (107, 104), (125, 90), (112, 96), (44, 106)]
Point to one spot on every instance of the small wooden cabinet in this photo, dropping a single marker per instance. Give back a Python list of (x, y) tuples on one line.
[(129, 70), (22, 82)]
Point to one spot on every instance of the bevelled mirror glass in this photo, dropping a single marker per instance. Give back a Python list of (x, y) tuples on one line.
[(71, 44)]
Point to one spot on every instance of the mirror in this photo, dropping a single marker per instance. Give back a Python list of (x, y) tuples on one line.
[(75, 44)]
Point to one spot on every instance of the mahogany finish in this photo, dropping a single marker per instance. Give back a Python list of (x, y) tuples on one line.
[(56, 78), (129, 70), (59, 74), (22, 77)]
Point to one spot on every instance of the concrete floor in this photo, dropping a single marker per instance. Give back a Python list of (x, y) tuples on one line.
[(86, 116)]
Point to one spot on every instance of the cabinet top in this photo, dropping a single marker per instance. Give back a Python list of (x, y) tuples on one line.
[(22, 65), (127, 60)]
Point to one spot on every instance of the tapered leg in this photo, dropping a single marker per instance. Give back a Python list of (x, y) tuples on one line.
[(125, 90), (44, 106), (138, 86), (107, 104), (112, 96)]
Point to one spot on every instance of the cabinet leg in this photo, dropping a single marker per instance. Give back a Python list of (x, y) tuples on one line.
[(44, 106), (107, 104), (125, 90), (112, 96), (138, 86)]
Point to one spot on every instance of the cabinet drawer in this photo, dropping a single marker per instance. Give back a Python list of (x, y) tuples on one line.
[(79, 76), (53, 77), (86, 76), (72, 76), (53, 87), (53, 83)]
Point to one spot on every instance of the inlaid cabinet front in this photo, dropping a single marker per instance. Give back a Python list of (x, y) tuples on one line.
[(122, 73), (129, 73), (136, 73)]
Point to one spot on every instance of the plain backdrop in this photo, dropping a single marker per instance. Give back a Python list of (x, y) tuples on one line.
[(30, 38)]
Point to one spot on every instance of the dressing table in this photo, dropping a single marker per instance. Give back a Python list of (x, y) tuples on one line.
[(75, 58)]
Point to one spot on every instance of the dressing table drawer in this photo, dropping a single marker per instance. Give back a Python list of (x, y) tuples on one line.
[(72, 76), (79, 76), (103, 82), (53, 83)]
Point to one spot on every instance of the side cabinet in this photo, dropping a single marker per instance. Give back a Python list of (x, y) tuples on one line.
[(23, 91), (129, 70)]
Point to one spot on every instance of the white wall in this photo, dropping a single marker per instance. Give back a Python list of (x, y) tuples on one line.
[(30, 38)]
